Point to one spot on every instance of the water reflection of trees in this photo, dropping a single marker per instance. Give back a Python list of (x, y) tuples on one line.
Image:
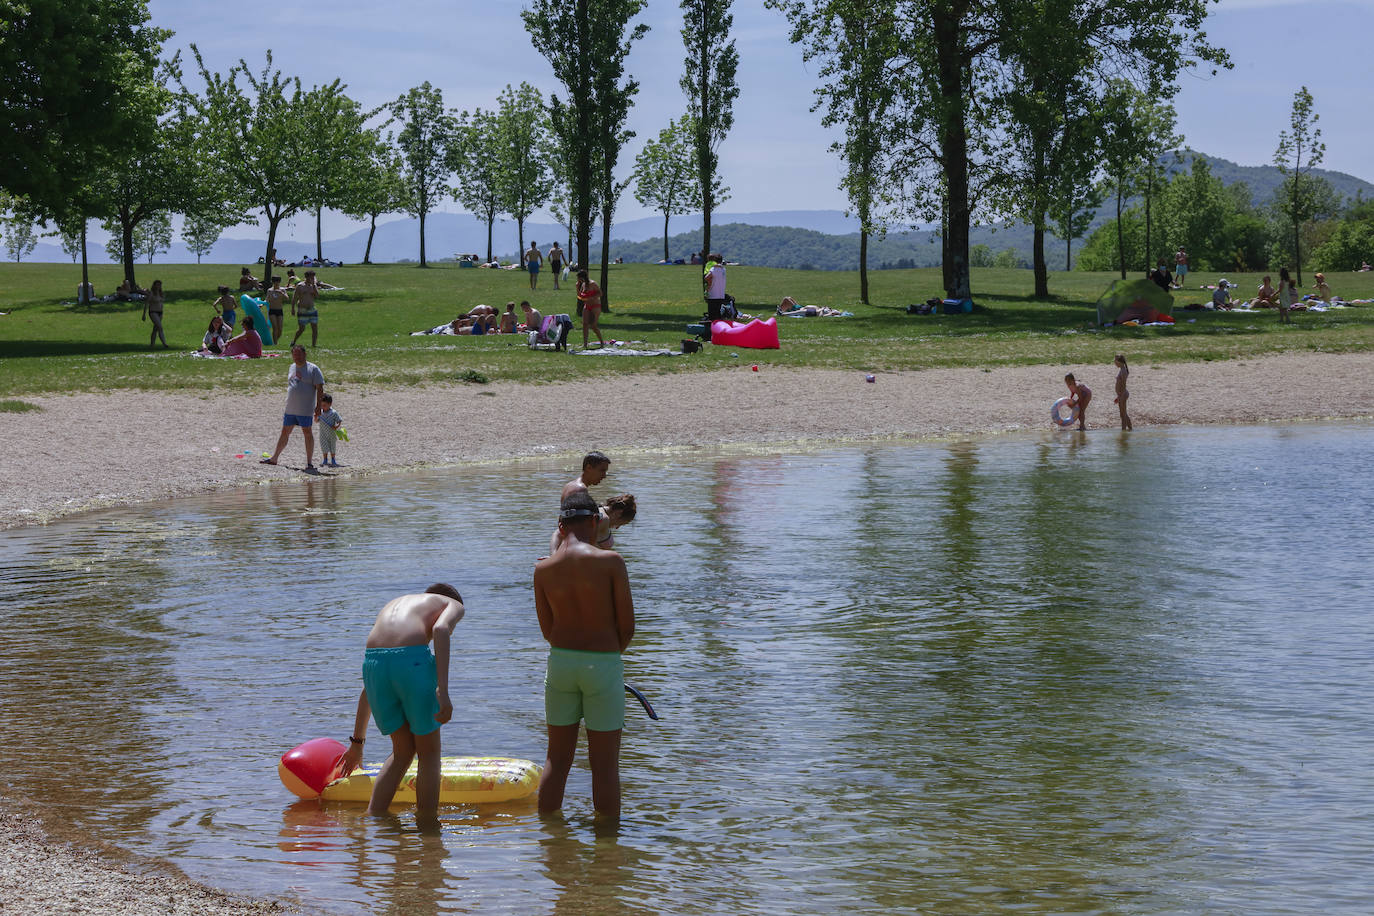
[(998, 723), (87, 658)]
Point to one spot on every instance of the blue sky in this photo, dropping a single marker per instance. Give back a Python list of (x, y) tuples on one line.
[(777, 157)]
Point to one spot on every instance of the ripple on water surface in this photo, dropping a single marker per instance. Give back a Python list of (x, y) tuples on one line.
[(1054, 674)]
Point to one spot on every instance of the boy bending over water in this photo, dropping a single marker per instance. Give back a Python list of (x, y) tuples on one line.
[(582, 597), (405, 689), (1079, 396)]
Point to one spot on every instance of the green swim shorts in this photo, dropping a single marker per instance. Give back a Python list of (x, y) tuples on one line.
[(585, 686), (401, 683)]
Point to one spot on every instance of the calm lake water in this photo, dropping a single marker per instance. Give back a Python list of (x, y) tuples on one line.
[(1050, 674)]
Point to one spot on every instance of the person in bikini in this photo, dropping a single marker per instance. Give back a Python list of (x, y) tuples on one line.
[(1079, 396), (276, 299), (506, 325), (618, 511), (405, 690), (586, 613)]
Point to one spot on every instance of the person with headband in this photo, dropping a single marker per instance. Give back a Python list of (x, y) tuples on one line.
[(586, 613)]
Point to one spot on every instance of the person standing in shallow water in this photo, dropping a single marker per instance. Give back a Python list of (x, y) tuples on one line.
[(595, 467), (586, 613), (1121, 393)]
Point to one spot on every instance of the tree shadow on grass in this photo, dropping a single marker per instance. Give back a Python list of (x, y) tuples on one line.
[(34, 348)]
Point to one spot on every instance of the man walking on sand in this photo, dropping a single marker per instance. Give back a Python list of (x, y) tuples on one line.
[(405, 689), (594, 469), (304, 404), (582, 597)]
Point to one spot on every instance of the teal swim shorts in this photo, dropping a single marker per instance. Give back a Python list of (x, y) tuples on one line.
[(401, 683), (585, 686)]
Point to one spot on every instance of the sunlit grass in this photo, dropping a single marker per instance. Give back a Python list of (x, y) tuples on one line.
[(48, 346)]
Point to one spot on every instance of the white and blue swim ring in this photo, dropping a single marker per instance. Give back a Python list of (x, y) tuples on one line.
[(1057, 413)]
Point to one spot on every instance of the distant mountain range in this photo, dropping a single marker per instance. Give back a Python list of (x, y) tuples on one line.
[(819, 239)]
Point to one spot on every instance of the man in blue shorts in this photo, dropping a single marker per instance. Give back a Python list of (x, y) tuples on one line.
[(304, 403), (533, 261), (582, 597), (405, 689)]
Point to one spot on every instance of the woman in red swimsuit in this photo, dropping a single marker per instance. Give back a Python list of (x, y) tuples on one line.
[(590, 296)]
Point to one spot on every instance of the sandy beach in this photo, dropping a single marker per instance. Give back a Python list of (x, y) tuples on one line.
[(86, 451)]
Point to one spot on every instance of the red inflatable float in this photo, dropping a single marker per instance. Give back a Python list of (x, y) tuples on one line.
[(756, 335)]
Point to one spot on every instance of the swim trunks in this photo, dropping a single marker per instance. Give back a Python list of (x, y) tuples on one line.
[(401, 684), (296, 419), (308, 317), (585, 686), (534, 267), (275, 312), (228, 316)]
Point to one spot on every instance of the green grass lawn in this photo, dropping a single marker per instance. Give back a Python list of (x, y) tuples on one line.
[(46, 346)]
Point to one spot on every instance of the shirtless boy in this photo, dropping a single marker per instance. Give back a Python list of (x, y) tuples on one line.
[(582, 597), (594, 469), (405, 689), (303, 298)]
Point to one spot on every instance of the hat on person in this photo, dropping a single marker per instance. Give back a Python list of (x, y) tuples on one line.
[(1222, 284), (1320, 276)]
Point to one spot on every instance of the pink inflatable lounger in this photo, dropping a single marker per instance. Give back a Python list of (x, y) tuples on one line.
[(756, 335)]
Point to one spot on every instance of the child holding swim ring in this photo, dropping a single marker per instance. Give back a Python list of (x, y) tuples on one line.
[(1121, 393), (1079, 396)]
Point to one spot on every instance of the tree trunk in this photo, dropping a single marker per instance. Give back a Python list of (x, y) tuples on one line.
[(491, 220), (1149, 249), (863, 265), (953, 139), (665, 235), (1297, 250), (605, 255), (520, 234), (1120, 236), (1042, 267), (945, 276), (319, 243), (1068, 255), (271, 254), (126, 225), (367, 252), (85, 269), (422, 238), (705, 166)]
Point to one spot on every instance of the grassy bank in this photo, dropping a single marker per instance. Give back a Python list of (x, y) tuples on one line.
[(47, 346)]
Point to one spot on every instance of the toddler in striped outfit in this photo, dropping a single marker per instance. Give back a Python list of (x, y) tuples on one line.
[(330, 421)]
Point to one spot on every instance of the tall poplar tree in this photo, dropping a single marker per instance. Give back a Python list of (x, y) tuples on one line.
[(586, 43), (853, 43), (711, 88)]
